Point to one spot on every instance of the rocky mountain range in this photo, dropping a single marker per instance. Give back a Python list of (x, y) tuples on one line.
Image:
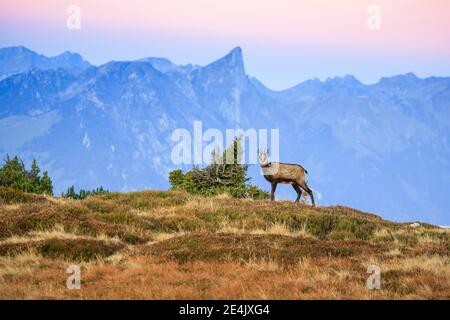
[(382, 147)]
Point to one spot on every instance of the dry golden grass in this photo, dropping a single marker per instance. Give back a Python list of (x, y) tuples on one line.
[(283, 230), (171, 245), (144, 277), (59, 232)]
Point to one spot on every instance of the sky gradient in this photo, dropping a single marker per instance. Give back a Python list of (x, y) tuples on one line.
[(284, 42)]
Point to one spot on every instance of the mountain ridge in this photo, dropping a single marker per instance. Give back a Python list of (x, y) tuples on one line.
[(237, 51), (388, 140), (20, 59)]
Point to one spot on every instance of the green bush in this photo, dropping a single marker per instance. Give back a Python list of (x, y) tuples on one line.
[(225, 174), (176, 178)]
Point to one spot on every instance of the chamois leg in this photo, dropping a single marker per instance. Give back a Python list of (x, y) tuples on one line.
[(312, 197), (272, 194), (298, 190), (309, 192)]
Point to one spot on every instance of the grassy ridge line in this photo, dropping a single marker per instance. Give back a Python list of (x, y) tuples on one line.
[(184, 246), (144, 217)]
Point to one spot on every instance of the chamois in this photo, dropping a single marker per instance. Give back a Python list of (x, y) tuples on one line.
[(285, 173)]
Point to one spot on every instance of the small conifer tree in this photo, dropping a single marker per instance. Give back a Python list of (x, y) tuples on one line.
[(13, 174), (225, 174)]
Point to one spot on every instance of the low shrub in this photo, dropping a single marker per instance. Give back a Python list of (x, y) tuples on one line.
[(225, 174), (12, 196)]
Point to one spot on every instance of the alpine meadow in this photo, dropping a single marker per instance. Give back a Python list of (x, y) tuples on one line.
[(225, 159)]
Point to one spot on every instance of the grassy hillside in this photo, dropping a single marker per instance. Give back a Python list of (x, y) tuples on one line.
[(166, 245)]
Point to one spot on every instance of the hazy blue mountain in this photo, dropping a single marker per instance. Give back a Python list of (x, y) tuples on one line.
[(383, 148), (20, 59), (166, 66)]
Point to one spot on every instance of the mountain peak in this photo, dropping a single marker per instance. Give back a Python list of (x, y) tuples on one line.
[(16, 49), (347, 79), (21, 59), (231, 63), (236, 52), (400, 80), (234, 58), (161, 64), (69, 56), (66, 53), (8, 52)]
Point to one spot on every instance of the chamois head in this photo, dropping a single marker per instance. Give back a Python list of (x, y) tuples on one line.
[(263, 161)]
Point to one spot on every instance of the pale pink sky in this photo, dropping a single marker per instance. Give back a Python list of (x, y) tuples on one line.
[(284, 41)]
